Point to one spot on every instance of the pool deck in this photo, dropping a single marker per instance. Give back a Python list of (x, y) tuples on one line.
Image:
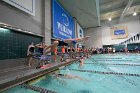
[(20, 74)]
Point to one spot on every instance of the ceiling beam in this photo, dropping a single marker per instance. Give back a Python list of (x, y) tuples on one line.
[(113, 15), (117, 9), (120, 8), (117, 13), (93, 27), (125, 10), (110, 3), (98, 12)]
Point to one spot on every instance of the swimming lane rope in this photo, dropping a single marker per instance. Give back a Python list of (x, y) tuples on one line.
[(38, 89), (94, 59), (100, 72), (114, 64), (108, 60)]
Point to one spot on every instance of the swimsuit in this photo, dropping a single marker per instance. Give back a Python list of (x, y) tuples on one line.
[(63, 49), (40, 50), (32, 49), (54, 52)]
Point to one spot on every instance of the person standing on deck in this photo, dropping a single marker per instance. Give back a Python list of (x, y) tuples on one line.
[(30, 53)]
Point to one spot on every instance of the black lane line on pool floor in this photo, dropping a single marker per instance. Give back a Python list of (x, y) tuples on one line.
[(94, 59), (37, 89), (110, 60), (114, 64), (106, 58), (100, 72)]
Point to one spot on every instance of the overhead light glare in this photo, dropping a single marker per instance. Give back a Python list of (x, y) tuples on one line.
[(134, 14), (109, 19)]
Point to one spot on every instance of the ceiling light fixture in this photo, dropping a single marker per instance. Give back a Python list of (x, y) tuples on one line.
[(109, 19), (134, 14)]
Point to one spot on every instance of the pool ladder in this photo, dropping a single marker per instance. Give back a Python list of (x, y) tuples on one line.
[(38, 89)]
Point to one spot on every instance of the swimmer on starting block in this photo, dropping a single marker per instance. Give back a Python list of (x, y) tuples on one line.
[(53, 47), (73, 41), (30, 53)]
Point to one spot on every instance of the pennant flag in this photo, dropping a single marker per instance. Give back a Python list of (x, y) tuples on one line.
[(134, 38), (138, 35)]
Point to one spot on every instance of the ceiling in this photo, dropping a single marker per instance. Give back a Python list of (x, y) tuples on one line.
[(83, 10), (90, 13), (115, 8)]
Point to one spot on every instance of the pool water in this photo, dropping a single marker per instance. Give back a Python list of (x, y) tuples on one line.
[(90, 82)]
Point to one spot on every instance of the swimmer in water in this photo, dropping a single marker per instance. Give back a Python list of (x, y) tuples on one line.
[(70, 76)]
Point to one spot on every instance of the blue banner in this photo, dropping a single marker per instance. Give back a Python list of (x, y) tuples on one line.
[(119, 32), (63, 23)]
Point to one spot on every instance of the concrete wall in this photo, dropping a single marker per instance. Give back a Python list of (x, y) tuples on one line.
[(40, 23), (47, 17), (133, 25), (96, 37), (101, 35), (18, 18)]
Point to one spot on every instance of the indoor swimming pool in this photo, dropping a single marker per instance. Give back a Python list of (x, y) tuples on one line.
[(104, 73)]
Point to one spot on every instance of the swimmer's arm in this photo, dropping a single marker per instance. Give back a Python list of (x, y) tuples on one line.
[(37, 45), (45, 45), (34, 49), (73, 39), (46, 52), (82, 39), (82, 78), (46, 48), (67, 50), (68, 40), (76, 39), (28, 50)]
